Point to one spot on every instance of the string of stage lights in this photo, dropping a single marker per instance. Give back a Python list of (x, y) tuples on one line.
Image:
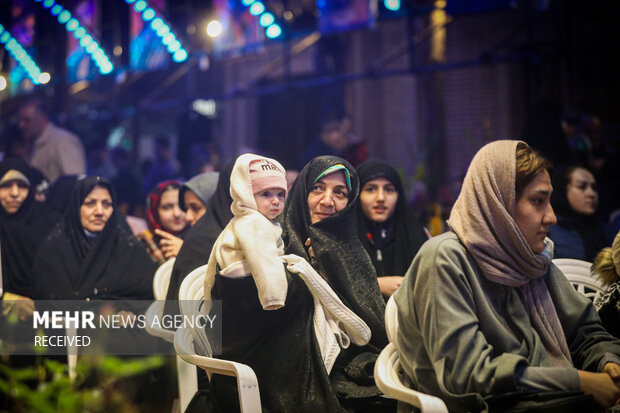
[(265, 19), (89, 44), (23, 58), (168, 38)]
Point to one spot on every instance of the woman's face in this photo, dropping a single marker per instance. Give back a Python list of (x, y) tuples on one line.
[(328, 196), (581, 192), (171, 216), (195, 208), (96, 209), (534, 214), (13, 193), (378, 199)]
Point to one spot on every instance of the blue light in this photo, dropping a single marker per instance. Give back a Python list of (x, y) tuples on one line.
[(273, 31), (80, 32), (1, 28), (98, 54), (168, 38), (56, 10), (246, 3), (129, 1), (174, 46), (157, 23), (140, 5), (179, 56), (163, 30), (393, 5), (5, 37), (48, 3), (92, 47), (105, 69), (72, 25), (257, 8), (266, 19), (148, 14), (64, 17), (86, 40)]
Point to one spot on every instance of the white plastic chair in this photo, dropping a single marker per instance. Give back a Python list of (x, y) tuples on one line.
[(387, 372), (192, 345), (247, 383), (161, 280), (580, 276)]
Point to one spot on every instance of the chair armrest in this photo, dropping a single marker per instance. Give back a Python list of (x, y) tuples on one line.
[(247, 383), (388, 381), (156, 309)]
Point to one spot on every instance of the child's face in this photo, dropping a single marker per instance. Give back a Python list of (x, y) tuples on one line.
[(270, 202)]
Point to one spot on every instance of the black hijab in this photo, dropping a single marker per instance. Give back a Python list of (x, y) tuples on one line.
[(201, 237), (404, 235), (340, 257), (111, 265), (22, 232), (60, 192), (588, 227)]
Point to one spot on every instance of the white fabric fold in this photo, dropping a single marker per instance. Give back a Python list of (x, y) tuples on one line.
[(335, 325)]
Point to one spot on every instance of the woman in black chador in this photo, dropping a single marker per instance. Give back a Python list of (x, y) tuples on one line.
[(387, 227), (92, 253), (24, 223)]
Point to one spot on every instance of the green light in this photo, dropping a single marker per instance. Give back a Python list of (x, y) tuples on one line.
[(72, 25), (64, 17)]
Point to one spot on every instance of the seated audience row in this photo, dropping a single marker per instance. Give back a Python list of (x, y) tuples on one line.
[(483, 312)]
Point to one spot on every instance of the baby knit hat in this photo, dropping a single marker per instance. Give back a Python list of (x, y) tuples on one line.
[(265, 174)]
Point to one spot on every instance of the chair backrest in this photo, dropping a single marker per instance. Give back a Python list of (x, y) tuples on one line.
[(388, 371), (579, 274), (191, 301), (161, 280), (391, 319)]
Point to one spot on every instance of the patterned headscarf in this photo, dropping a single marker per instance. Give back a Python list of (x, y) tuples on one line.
[(153, 200)]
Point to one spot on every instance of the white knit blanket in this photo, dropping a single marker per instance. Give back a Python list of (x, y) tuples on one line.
[(335, 325)]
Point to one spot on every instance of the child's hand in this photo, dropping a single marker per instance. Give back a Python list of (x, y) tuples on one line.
[(169, 244), (310, 250)]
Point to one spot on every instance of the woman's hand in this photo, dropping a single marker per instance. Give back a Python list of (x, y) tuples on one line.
[(613, 370), (389, 284), (169, 244), (18, 304), (606, 392)]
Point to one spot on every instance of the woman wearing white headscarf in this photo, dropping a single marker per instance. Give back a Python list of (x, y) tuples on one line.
[(483, 312)]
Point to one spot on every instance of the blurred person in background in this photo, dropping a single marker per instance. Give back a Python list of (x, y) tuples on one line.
[(579, 233), (54, 151), (164, 167), (607, 268)]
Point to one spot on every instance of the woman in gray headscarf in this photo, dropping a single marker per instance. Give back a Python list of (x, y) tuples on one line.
[(484, 314)]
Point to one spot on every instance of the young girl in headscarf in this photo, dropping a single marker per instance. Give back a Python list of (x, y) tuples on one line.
[(484, 313), (166, 221), (387, 226)]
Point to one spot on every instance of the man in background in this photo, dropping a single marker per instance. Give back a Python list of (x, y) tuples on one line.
[(53, 150)]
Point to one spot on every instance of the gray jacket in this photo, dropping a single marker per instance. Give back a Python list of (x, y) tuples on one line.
[(463, 337)]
